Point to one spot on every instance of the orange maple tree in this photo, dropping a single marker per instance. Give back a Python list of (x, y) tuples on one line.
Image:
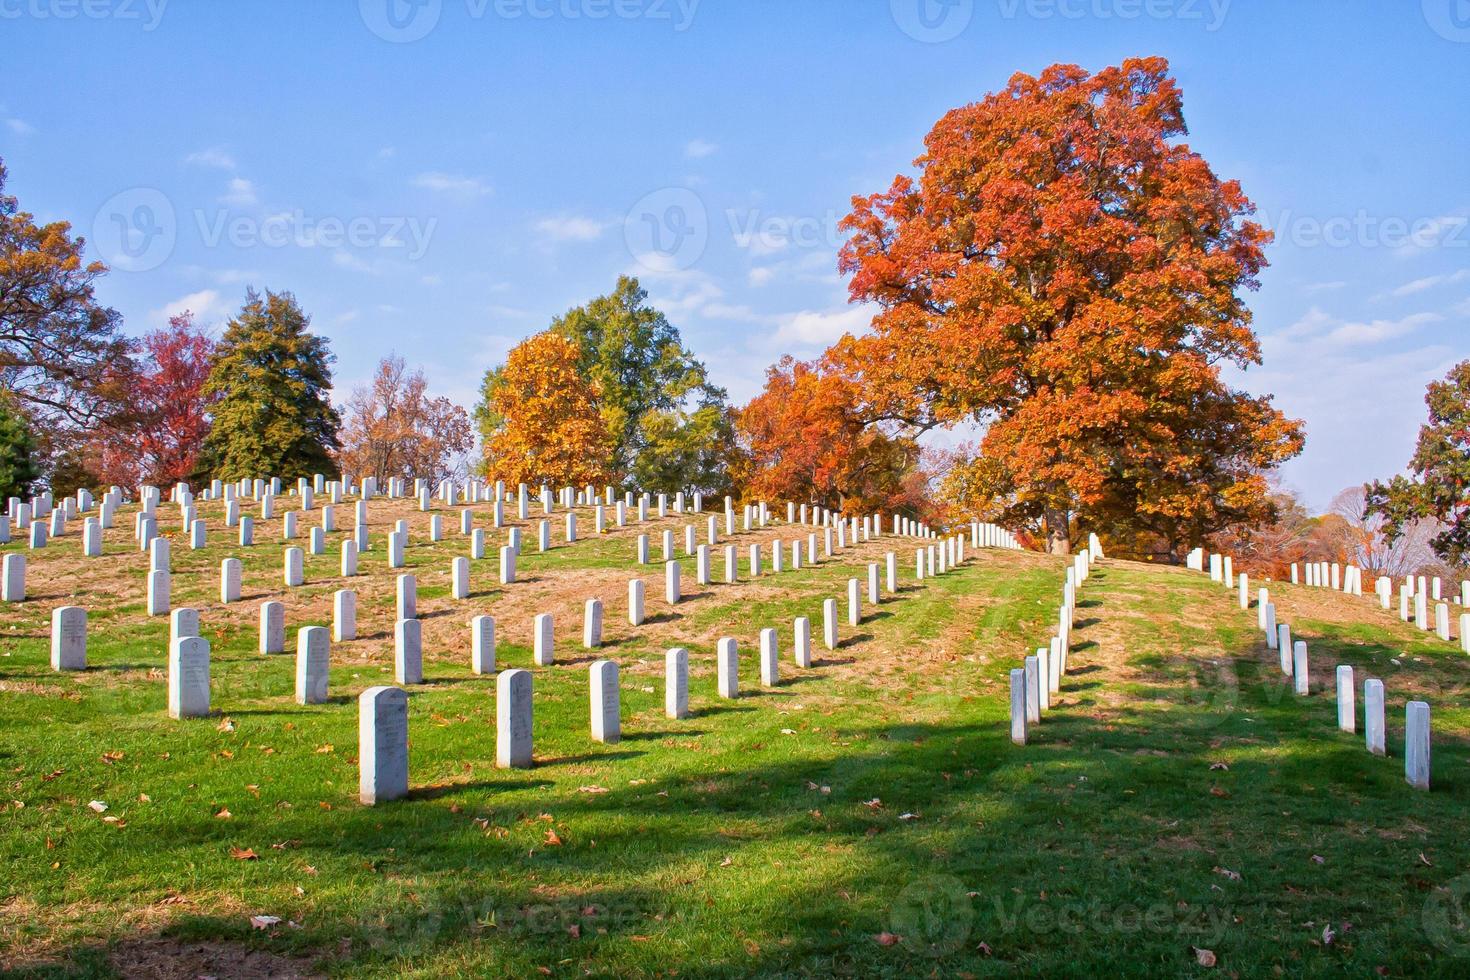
[(541, 419), (1067, 271), (800, 440)]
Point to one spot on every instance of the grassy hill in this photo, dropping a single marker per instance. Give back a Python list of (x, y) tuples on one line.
[(868, 816)]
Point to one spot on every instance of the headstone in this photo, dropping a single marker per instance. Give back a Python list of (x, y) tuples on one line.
[(606, 718), (160, 587), (829, 623), (1373, 727), (247, 532), (13, 578), (344, 615), (891, 569), (635, 602), (482, 644), (69, 638), (1018, 705), (349, 558), (671, 582), (313, 652), (544, 648), (295, 567), (406, 597), (272, 627), (592, 624), (770, 658), (854, 603), (507, 565), (802, 642), (1416, 744), (408, 651), (1347, 715), (459, 576), (727, 668), (182, 623), (1033, 690), (1299, 674), (188, 678), (513, 719), (382, 745), (676, 683)]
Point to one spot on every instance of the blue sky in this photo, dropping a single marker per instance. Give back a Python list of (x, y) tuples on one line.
[(441, 177)]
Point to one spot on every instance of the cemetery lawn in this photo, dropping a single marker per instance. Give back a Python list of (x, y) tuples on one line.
[(1179, 806)]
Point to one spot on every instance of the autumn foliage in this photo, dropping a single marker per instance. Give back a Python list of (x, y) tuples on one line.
[(802, 440), (393, 428), (542, 418), (1067, 272)]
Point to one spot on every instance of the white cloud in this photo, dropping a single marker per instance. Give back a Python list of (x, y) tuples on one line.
[(1322, 331), (206, 305), (240, 193), (1322, 287), (1377, 331), (571, 228), (813, 328), (1430, 282), (20, 127), (212, 157), (760, 275), (698, 149), (451, 184)]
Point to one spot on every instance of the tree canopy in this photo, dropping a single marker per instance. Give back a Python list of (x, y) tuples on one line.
[(270, 378), (1066, 272)]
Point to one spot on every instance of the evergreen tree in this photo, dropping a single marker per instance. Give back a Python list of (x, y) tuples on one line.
[(271, 377), (17, 454)]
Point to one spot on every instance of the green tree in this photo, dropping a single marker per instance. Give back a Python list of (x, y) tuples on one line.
[(636, 358), (17, 453), (1440, 486), (271, 377), (686, 450)]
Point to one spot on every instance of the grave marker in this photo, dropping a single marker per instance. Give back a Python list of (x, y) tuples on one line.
[(606, 720), (188, 678), (313, 653), (513, 722), (727, 659), (382, 745), (408, 651), (69, 638), (482, 644)]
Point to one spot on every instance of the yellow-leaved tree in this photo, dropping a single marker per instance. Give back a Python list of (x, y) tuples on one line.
[(540, 418)]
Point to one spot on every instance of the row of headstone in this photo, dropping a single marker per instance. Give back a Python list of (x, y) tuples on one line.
[(1040, 676)]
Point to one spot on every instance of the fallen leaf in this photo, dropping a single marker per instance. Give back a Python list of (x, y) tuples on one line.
[(98, 805), (264, 921), (223, 815), (1328, 935), (873, 804), (111, 757), (727, 862), (1232, 875), (243, 853), (1318, 859), (227, 724), (591, 789), (908, 816), (886, 939), (551, 839), (1219, 766), (1204, 957)]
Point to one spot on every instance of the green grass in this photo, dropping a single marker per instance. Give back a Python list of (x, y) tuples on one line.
[(744, 839)]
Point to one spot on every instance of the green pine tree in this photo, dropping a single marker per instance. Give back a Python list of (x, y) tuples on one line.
[(17, 454), (271, 376)]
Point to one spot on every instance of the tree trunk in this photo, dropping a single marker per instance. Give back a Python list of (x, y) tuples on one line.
[(1058, 532)]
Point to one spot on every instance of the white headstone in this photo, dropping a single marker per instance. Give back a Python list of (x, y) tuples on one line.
[(1347, 716), (606, 719), (770, 658), (382, 745), (160, 588), (507, 565), (829, 623), (676, 683), (513, 719), (1373, 727), (482, 644), (802, 642), (13, 578), (406, 597), (408, 652), (69, 638), (182, 623), (272, 627), (1416, 744), (544, 644), (728, 668), (635, 602), (671, 582), (1018, 706), (188, 678), (592, 624), (313, 653)]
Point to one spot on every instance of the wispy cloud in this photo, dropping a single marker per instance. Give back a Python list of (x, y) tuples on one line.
[(19, 126), (572, 228), (821, 328), (213, 156), (456, 184), (240, 193), (206, 305), (1430, 282), (697, 149)]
